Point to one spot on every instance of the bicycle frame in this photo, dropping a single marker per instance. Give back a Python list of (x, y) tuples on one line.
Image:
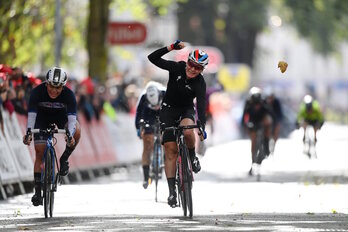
[(184, 174), (157, 157), (50, 148), (49, 178)]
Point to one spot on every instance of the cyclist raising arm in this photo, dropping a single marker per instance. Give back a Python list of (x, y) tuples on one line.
[(51, 102), (185, 83), (148, 109)]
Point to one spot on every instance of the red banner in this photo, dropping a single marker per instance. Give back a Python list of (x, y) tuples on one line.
[(126, 33)]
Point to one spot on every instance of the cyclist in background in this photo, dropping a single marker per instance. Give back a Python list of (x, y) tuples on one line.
[(276, 106), (257, 113), (51, 102), (148, 108), (310, 114), (185, 83)]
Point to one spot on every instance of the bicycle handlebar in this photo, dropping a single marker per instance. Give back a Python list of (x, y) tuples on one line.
[(188, 127), (49, 131)]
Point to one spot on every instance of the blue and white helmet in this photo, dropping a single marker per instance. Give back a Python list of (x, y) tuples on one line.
[(200, 57), (56, 77)]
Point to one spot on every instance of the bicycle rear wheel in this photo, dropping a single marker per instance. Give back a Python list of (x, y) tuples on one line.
[(156, 165), (46, 185)]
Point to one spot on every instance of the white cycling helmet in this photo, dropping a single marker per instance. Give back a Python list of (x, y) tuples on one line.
[(56, 77), (152, 94), (255, 95)]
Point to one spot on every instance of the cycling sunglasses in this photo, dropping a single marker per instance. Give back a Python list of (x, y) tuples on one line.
[(194, 65)]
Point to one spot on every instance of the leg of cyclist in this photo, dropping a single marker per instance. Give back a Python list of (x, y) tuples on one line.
[(148, 140), (39, 151), (276, 131), (190, 143), (168, 117), (171, 151), (304, 125), (252, 136), (64, 163), (267, 124), (316, 126)]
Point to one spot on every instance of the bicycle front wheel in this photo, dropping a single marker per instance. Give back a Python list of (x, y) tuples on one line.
[(181, 186), (188, 186), (52, 182), (46, 185)]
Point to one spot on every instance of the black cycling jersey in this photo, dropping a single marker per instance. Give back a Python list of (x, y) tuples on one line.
[(146, 111), (255, 115), (50, 110), (181, 91)]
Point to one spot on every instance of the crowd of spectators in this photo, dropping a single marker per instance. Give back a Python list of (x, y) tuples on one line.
[(92, 97)]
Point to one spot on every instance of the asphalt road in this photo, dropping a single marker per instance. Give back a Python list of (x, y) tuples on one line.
[(293, 194)]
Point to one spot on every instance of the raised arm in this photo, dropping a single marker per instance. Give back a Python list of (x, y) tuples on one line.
[(156, 56)]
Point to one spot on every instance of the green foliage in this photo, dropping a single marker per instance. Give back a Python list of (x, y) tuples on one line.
[(323, 22), (136, 7), (28, 33), (26, 26), (161, 6)]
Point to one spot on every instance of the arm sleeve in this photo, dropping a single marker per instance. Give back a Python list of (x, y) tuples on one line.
[(201, 102), (31, 120), (156, 58), (72, 124), (71, 111)]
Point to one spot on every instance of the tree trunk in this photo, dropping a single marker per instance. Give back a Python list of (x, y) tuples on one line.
[(96, 39)]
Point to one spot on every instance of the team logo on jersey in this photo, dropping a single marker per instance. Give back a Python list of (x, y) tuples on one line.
[(53, 105)]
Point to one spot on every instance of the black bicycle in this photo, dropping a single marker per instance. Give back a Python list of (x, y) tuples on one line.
[(157, 158), (49, 177), (184, 174), (260, 151), (260, 146), (158, 155)]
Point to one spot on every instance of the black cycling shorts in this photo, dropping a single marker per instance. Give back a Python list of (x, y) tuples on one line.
[(40, 124), (313, 123), (149, 130), (149, 117), (169, 116)]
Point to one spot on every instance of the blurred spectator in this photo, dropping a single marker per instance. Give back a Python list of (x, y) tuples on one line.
[(4, 87), (19, 102), (84, 103)]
